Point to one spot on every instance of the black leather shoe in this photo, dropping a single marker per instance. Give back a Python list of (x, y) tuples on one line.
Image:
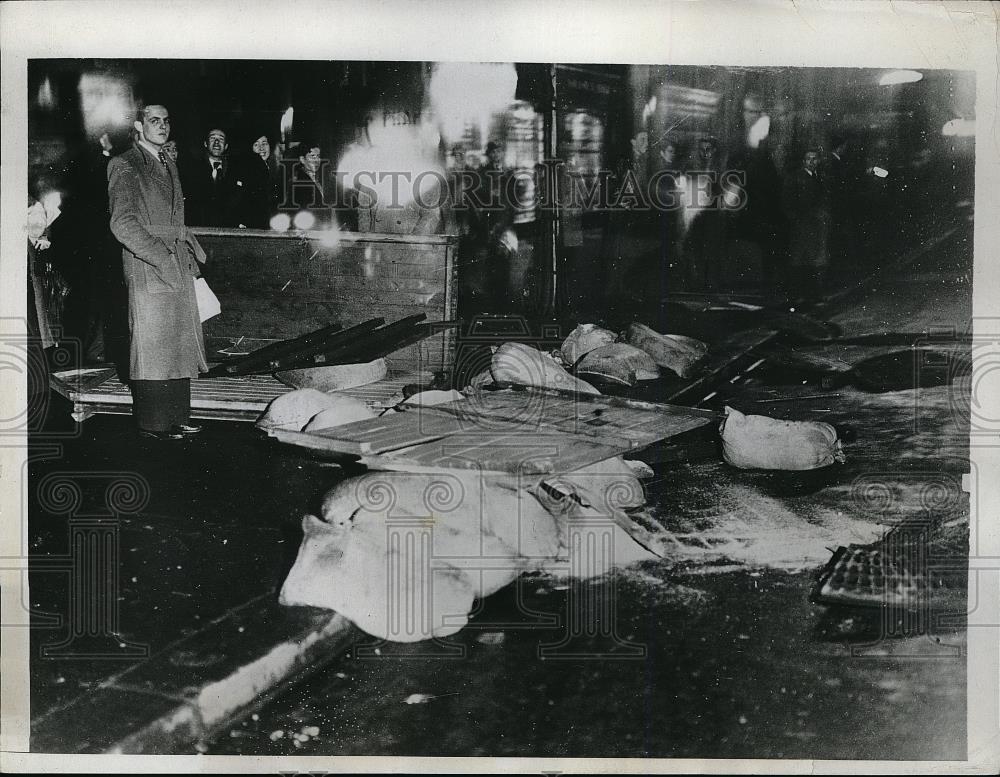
[(167, 435), (185, 429)]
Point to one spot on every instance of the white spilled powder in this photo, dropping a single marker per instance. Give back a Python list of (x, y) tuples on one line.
[(764, 532)]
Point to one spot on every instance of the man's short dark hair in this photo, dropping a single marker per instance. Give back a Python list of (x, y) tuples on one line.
[(305, 146)]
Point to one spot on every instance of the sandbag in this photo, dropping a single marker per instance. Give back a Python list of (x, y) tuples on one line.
[(583, 339), (344, 410), (334, 377), (517, 363), (620, 362), (364, 562), (294, 409), (434, 397), (673, 352), (759, 442), (394, 552)]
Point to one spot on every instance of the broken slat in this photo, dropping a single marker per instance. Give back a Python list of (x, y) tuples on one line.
[(359, 350), (264, 359), (261, 355), (292, 359)]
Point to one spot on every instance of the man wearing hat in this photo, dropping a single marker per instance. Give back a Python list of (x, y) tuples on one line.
[(160, 260)]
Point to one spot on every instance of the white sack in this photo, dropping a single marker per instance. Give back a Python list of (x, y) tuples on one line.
[(620, 362), (344, 410), (517, 363), (759, 442), (673, 352), (585, 338), (294, 409), (397, 552)]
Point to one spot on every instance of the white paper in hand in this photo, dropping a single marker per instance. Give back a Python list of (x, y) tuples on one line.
[(208, 303)]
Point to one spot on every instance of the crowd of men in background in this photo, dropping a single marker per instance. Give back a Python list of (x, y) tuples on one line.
[(780, 224)]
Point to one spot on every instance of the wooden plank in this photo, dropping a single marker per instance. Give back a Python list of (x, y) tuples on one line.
[(227, 398), (524, 454), (379, 435), (82, 379), (596, 416), (506, 431)]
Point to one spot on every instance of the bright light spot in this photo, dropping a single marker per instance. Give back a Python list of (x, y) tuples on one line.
[(286, 123), (329, 238), (304, 220), (962, 128), (900, 77), (649, 110), (280, 222), (399, 160), (105, 101), (509, 240), (880, 172), (759, 131), (463, 92), (46, 97)]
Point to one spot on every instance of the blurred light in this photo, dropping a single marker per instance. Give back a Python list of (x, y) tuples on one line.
[(329, 238), (105, 102), (900, 77), (759, 131), (688, 104), (462, 92), (509, 241), (961, 128), (649, 110), (286, 123), (46, 98), (398, 157), (880, 172), (304, 220), (280, 222)]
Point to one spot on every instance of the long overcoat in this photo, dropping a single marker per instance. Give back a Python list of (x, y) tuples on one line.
[(160, 259), (807, 206)]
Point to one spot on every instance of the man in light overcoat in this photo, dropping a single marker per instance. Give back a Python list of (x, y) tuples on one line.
[(160, 259)]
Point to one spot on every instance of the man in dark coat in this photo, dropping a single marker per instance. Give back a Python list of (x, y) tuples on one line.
[(310, 189), (211, 187), (807, 206), (159, 258)]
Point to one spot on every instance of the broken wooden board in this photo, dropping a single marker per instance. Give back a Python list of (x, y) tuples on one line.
[(520, 431)]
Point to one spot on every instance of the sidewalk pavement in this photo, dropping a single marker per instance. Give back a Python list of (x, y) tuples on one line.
[(192, 549)]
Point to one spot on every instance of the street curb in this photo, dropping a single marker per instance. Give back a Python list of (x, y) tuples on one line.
[(185, 694)]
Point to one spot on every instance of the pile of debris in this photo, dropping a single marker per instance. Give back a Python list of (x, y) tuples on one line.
[(467, 490)]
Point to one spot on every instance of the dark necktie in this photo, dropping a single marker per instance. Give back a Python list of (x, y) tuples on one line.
[(216, 170)]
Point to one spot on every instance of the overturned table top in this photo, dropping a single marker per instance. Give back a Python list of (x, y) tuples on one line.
[(518, 430)]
